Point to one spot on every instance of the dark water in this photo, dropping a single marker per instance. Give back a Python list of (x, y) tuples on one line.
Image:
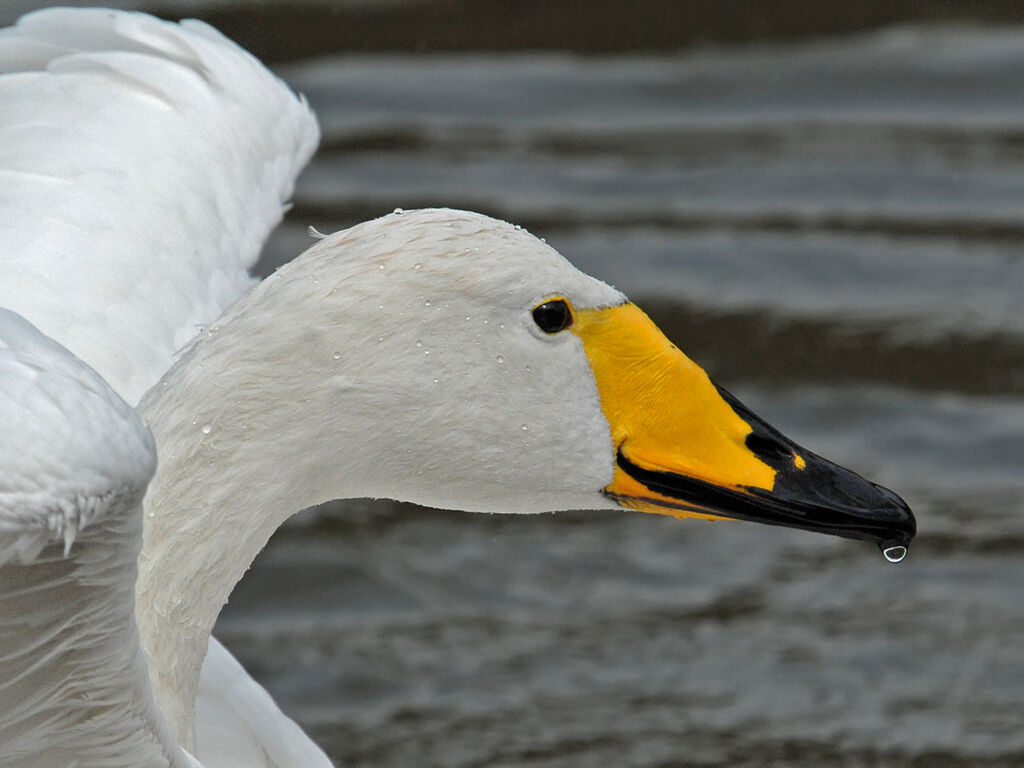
[(834, 227)]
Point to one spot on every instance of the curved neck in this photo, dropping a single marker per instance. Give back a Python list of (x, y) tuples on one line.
[(228, 476)]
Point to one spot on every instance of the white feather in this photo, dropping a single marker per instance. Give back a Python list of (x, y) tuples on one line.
[(397, 358), (76, 462), (122, 138)]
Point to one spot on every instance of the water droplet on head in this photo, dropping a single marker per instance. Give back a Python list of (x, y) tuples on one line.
[(501, 359), (895, 554), (206, 429), (398, 211), (525, 428), (419, 343), (337, 355), (426, 303), (380, 266), (528, 369), (417, 265)]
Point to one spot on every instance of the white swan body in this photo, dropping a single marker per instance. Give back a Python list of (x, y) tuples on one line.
[(435, 356)]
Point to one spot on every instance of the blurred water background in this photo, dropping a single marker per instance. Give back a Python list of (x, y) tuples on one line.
[(823, 203)]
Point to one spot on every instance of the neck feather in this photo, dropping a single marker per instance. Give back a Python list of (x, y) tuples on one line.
[(228, 475)]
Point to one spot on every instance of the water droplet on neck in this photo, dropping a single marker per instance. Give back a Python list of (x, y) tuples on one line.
[(206, 429), (501, 359), (417, 265), (337, 355), (419, 343), (426, 303), (380, 266), (895, 554)]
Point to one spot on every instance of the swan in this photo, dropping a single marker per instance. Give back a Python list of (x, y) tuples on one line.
[(435, 356)]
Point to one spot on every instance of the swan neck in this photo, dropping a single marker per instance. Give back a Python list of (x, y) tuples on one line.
[(225, 482)]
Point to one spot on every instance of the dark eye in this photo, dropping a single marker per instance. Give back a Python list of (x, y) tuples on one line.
[(552, 316)]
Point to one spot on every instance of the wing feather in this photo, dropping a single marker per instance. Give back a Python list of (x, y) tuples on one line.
[(74, 464), (143, 164)]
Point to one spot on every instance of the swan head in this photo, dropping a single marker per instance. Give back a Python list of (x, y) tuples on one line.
[(456, 361)]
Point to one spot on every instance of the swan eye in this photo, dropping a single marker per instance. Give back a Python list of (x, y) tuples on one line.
[(552, 316)]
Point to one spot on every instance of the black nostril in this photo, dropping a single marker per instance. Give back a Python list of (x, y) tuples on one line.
[(768, 448)]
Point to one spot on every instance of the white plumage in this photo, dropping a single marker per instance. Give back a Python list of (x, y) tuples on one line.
[(434, 356), (144, 163), (76, 461)]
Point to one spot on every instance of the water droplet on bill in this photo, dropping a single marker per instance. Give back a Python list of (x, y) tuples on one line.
[(895, 554)]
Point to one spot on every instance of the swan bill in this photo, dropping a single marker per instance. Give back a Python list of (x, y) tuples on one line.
[(688, 448)]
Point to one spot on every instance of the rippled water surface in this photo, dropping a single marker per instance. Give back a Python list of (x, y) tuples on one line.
[(834, 227)]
